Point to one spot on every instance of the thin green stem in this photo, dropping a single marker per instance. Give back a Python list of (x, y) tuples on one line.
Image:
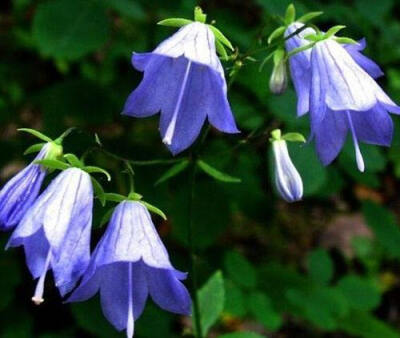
[(193, 252)]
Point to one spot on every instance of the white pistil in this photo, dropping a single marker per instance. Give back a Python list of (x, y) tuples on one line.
[(38, 296), (359, 157), (169, 134), (130, 325)]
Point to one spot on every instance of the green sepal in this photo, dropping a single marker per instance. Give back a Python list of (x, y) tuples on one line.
[(215, 173), (221, 50), (300, 49), (173, 171), (344, 40), (199, 15), (333, 30), (106, 217), (154, 209), (34, 148), (98, 191), (133, 196), (309, 16), (52, 164), (219, 36), (114, 197), (276, 34), (73, 160), (290, 14), (92, 169), (174, 22), (276, 135), (293, 137), (313, 37), (36, 133)]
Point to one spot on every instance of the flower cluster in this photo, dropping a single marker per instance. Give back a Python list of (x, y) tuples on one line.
[(54, 228)]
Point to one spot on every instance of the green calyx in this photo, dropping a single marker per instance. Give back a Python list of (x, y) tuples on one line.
[(276, 135), (330, 34), (221, 41)]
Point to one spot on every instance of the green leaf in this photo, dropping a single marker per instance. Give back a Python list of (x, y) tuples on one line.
[(211, 301), (384, 225), (293, 137), (154, 209), (128, 8), (174, 22), (106, 217), (240, 270), (333, 30), (276, 34), (73, 160), (52, 164), (219, 36), (99, 191), (361, 293), (34, 148), (92, 169), (173, 171), (320, 266), (70, 29), (36, 133), (261, 308), (242, 334), (309, 16), (218, 175), (235, 302)]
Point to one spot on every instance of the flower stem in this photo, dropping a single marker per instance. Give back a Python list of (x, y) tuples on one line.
[(193, 254)]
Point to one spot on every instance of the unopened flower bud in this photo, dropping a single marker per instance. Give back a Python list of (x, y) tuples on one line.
[(278, 81), (287, 178)]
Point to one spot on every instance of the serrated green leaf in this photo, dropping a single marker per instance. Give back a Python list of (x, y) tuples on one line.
[(219, 36), (36, 133), (173, 171), (293, 137), (309, 16), (276, 34), (174, 22), (320, 266), (154, 209), (218, 175), (211, 301), (98, 191), (34, 148), (52, 164)]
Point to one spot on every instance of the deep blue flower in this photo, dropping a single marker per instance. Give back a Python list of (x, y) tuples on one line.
[(287, 179), (184, 80), (55, 231), (343, 97), (21, 191), (129, 263)]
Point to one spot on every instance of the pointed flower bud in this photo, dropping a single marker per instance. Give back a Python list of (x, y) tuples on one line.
[(278, 81), (287, 179), (55, 231), (18, 195), (129, 264)]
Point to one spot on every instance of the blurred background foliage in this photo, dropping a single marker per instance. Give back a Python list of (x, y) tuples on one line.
[(328, 266)]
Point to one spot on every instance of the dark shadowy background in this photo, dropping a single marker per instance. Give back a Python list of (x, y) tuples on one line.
[(324, 267)]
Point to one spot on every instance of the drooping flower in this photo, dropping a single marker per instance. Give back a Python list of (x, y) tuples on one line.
[(55, 231), (288, 181), (343, 97), (21, 191), (129, 263), (184, 80)]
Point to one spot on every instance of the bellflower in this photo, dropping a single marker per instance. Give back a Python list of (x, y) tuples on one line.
[(343, 97), (21, 191), (55, 231), (129, 263), (287, 179), (184, 80)]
